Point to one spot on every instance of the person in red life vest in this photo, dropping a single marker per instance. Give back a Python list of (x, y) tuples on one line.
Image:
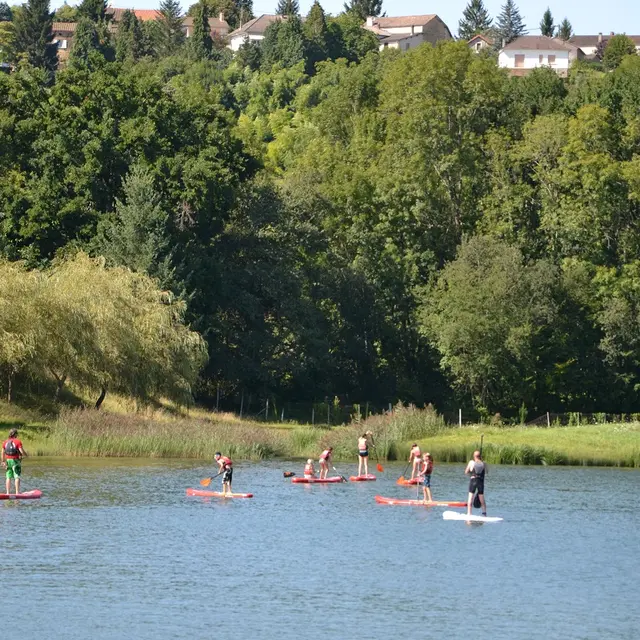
[(225, 466), (12, 454), (425, 475), (309, 471), (325, 459), (415, 456)]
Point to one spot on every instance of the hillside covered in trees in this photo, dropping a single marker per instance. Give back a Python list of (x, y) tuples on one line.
[(336, 221)]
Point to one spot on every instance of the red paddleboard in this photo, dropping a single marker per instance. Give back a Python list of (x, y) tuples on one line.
[(403, 482), (217, 494), (27, 495), (368, 478), (419, 503), (316, 480)]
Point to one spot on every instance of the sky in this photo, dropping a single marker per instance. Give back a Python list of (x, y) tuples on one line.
[(588, 17)]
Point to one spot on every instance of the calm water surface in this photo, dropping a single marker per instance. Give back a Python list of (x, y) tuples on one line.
[(116, 550)]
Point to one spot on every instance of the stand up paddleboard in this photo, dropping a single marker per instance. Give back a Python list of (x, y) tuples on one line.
[(27, 495), (317, 480), (368, 478), (407, 483), (217, 494), (454, 515), (420, 503)]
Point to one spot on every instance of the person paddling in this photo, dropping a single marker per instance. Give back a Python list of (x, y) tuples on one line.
[(425, 475), (363, 453), (477, 468), (225, 466), (12, 454), (325, 459), (415, 456)]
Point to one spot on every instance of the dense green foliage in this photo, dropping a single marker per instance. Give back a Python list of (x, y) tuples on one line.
[(475, 20), (341, 222)]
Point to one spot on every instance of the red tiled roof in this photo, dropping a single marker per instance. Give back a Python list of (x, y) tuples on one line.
[(258, 25), (403, 21), (540, 43), (592, 41), (141, 14), (63, 27)]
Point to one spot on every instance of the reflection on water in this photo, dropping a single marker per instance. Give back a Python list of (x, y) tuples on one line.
[(116, 550)]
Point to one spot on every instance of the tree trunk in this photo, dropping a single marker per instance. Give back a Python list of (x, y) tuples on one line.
[(100, 400), (10, 381), (60, 380)]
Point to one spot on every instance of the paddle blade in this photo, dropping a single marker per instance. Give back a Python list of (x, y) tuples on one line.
[(205, 482), (476, 501), (400, 480), (379, 467)]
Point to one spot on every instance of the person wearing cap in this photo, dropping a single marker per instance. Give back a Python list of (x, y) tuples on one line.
[(225, 467), (363, 452), (425, 475), (12, 454)]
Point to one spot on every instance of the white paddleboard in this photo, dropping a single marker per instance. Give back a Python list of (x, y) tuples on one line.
[(455, 515)]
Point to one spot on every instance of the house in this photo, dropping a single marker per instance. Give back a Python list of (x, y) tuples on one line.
[(530, 52), (479, 42), (590, 44), (63, 31), (407, 32), (253, 30)]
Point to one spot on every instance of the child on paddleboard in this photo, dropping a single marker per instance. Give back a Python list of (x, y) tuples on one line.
[(325, 459), (225, 466), (415, 456), (309, 471), (425, 475), (363, 453)]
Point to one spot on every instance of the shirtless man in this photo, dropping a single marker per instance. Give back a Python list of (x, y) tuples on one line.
[(477, 468)]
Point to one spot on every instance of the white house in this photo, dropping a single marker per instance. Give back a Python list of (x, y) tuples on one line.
[(589, 44), (530, 52), (253, 31), (406, 32)]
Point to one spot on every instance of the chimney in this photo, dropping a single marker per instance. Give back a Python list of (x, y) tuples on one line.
[(370, 21), (221, 16), (612, 34), (599, 38), (412, 29)]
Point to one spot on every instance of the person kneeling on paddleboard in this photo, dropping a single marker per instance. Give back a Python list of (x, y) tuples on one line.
[(309, 471), (225, 466), (325, 458), (477, 468), (425, 474), (12, 454)]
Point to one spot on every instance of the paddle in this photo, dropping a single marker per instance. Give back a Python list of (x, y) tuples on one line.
[(476, 498), (343, 478), (205, 482), (379, 467), (401, 479)]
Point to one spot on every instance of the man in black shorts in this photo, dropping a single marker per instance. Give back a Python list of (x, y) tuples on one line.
[(477, 468)]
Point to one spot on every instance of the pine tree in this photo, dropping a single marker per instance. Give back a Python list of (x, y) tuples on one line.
[(130, 44), (317, 34), (170, 34), (200, 44), (546, 24), (509, 24), (288, 8), (5, 12), (475, 20), (364, 8), (86, 42), (33, 35), (565, 30), (94, 10)]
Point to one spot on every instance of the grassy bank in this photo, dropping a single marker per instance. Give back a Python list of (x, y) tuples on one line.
[(160, 433)]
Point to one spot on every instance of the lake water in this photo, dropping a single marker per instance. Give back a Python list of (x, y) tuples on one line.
[(116, 550)]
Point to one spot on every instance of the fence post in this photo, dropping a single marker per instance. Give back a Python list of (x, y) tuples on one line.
[(218, 398), (313, 416), (266, 411), (366, 410), (241, 403), (282, 415), (390, 408), (328, 414), (459, 417), (548, 420)]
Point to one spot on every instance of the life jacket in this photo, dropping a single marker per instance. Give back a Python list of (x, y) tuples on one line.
[(10, 448), (308, 470), (478, 470), (226, 462), (428, 468), (326, 454), (416, 452)]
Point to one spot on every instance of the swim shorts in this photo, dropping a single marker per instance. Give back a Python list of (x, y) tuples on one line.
[(14, 469), (227, 475), (476, 484), (363, 453), (426, 481)]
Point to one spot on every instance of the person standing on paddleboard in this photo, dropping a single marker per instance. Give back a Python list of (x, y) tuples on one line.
[(363, 453), (415, 456), (325, 459), (477, 468), (12, 454), (225, 466), (425, 474)]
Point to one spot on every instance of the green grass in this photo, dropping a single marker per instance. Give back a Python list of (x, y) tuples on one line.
[(160, 433)]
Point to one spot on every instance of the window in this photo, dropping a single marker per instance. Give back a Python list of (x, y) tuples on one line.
[(540, 58), (519, 60), (552, 60), (62, 44)]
